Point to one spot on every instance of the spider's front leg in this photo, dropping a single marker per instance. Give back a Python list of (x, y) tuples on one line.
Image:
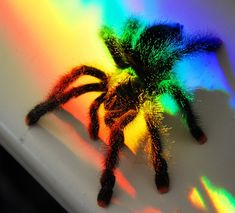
[(60, 95), (202, 43), (52, 103), (191, 120), (159, 163), (69, 78), (115, 48), (116, 142)]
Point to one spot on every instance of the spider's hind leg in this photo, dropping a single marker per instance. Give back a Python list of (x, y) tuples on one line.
[(116, 142), (93, 127), (191, 119), (159, 163)]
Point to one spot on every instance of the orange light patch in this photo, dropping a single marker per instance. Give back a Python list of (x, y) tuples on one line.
[(148, 210), (196, 199)]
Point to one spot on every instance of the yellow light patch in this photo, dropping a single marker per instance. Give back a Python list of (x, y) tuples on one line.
[(134, 131)]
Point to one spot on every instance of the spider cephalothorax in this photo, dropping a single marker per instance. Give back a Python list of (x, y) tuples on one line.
[(147, 54)]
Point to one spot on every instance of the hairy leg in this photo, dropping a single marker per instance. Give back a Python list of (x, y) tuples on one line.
[(110, 116), (52, 103), (116, 142), (114, 46), (93, 127), (131, 29), (189, 115), (202, 43), (159, 163), (66, 80)]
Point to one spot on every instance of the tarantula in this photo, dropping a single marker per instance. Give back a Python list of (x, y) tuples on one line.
[(147, 53)]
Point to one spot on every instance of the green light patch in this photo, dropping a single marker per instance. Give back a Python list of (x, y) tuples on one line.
[(168, 103)]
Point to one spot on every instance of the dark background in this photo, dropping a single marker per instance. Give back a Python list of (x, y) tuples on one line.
[(19, 192)]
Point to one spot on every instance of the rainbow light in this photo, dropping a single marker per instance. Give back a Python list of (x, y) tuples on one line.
[(196, 199), (54, 36), (222, 200)]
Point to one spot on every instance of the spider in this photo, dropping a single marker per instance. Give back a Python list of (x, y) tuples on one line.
[(147, 54)]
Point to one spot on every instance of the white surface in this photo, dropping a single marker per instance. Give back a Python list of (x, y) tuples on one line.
[(56, 153)]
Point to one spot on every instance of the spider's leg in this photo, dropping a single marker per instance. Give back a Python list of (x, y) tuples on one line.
[(110, 116), (114, 47), (131, 29), (52, 103), (191, 119), (93, 127), (159, 163), (66, 80), (202, 43), (116, 142)]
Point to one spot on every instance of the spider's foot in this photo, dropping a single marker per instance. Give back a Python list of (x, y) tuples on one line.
[(202, 139), (199, 135), (31, 118), (104, 197), (36, 113), (214, 43), (107, 181), (162, 182)]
